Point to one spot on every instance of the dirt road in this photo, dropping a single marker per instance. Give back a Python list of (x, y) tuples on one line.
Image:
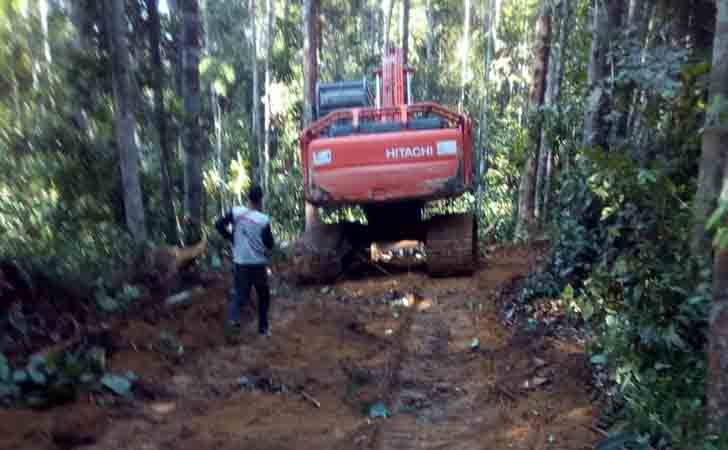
[(433, 352)]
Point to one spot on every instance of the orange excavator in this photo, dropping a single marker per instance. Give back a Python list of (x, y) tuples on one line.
[(390, 156)]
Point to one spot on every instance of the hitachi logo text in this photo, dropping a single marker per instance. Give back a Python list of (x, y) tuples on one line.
[(409, 152)]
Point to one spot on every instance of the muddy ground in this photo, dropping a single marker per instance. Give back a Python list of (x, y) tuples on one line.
[(435, 352)]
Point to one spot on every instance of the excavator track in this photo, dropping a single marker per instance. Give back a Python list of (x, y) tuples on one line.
[(320, 253), (452, 245)]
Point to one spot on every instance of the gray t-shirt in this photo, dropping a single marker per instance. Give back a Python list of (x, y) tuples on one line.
[(251, 236)]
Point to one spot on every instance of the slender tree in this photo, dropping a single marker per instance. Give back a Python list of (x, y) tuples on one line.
[(160, 115), (555, 75), (255, 117), (192, 105), (124, 121), (405, 30), (265, 169), (387, 9), (429, 47), (310, 78), (607, 22), (713, 158), (540, 64), (714, 179), (466, 51)]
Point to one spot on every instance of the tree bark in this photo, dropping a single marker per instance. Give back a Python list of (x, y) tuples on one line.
[(637, 24), (160, 115), (606, 21), (192, 134), (388, 10), (286, 13), (717, 387), (124, 122), (310, 78), (310, 59), (44, 10), (713, 158), (270, 4), (553, 93), (405, 30), (255, 117), (429, 46), (537, 91), (714, 138), (466, 51)]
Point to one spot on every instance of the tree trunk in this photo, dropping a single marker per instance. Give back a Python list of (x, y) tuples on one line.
[(527, 189), (607, 21), (464, 57), (484, 132), (553, 93), (124, 122), (310, 60), (286, 13), (430, 43), (388, 9), (711, 180), (637, 23), (405, 30), (713, 158), (310, 78), (161, 118), (255, 117), (192, 106), (270, 4), (45, 11)]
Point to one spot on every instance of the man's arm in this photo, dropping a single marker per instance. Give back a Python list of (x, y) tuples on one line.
[(222, 225), (267, 237)]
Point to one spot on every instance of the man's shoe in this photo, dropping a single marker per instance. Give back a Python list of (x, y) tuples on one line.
[(265, 333)]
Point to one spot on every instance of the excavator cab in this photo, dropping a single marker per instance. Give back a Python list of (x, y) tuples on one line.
[(383, 152)]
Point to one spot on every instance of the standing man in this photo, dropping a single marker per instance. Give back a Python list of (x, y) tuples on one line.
[(252, 244)]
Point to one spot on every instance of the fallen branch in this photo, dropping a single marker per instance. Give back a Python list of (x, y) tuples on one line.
[(183, 297), (308, 397)]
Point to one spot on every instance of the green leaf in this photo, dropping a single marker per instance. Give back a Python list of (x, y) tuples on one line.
[(379, 409), (37, 377), (219, 87), (228, 72), (107, 304), (568, 293), (717, 215), (205, 64), (117, 384), (587, 310), (599, 359), (4, 368), (9, 390), (20, 376)]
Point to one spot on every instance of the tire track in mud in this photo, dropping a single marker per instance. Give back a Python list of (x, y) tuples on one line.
[(446, 396), (425, 378)]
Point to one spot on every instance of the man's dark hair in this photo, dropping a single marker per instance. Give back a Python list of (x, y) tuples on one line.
[(255, 194)]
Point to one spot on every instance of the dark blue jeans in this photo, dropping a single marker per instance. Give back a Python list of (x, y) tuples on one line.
[(247, 277)]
